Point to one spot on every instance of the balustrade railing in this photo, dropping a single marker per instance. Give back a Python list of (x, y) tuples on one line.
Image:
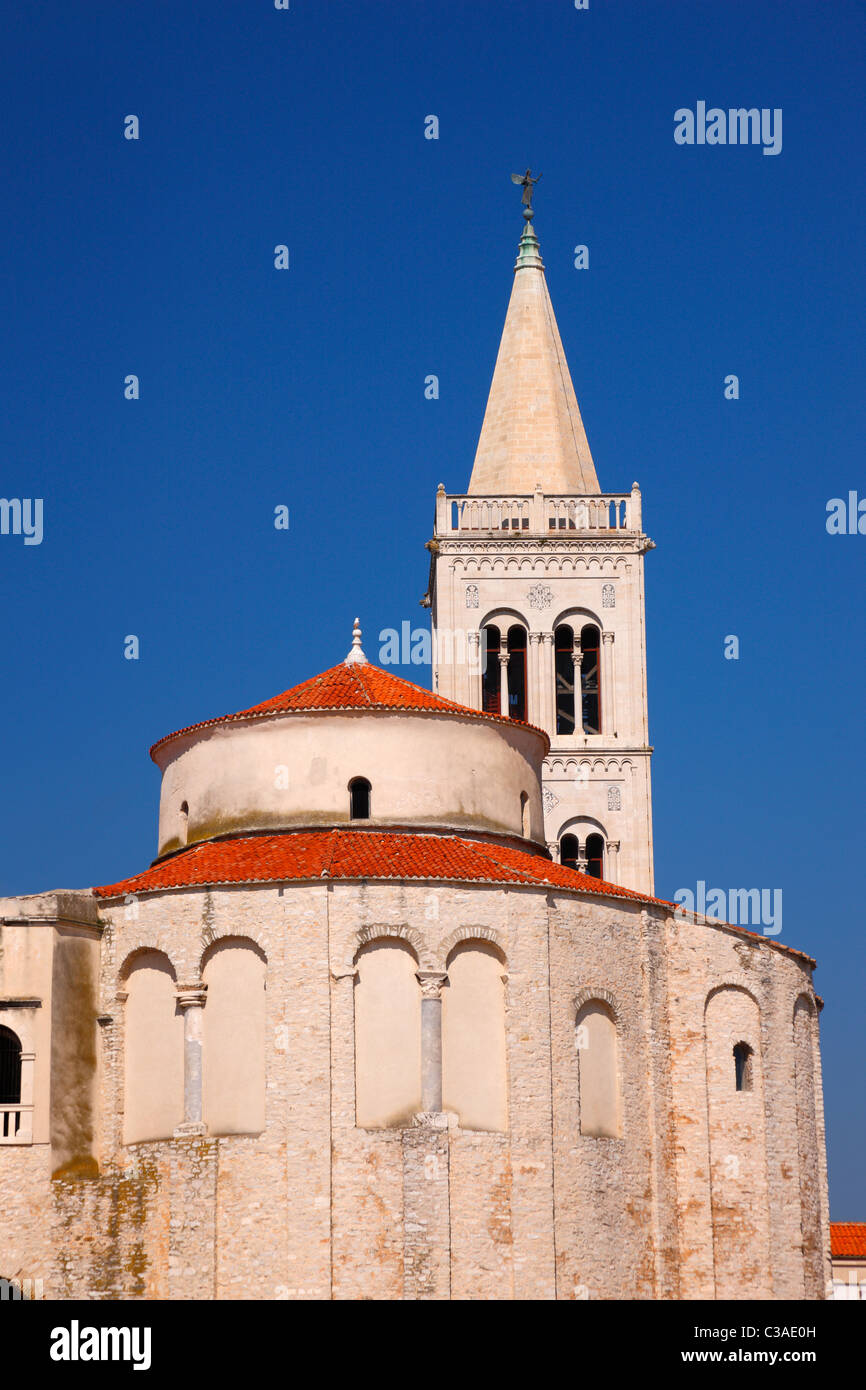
[(537, 513), (16, 1124)]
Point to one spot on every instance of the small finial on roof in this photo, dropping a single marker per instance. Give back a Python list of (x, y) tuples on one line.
[(356, 656)]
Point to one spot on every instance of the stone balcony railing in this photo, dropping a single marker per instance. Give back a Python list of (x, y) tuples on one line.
[(538, 513), (16, 1124)]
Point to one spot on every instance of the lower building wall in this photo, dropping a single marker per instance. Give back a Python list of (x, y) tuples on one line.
[(694, 1189)]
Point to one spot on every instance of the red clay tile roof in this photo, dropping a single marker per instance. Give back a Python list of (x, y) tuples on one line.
[(848, 1240), (350, 687), (309, 855), (356, 854)]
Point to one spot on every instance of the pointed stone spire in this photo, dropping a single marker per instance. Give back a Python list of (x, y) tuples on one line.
[(532, 428), (356, 656)]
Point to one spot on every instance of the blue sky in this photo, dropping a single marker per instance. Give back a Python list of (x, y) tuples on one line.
[(306, 388)]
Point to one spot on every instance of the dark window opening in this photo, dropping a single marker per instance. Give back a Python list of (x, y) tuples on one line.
[(491, 671), (10, 1068), (568, 851), (743, 1066), (359, 792), (564, 659), (517, 673), (595, 856), (589, 680)]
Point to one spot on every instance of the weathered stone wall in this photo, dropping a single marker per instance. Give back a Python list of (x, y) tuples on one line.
[(315, 1207)]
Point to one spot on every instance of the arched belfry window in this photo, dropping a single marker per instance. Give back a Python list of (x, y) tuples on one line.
[(595, 856), (10, 1067), (564, 657), (568, 851), (491, 670), (743, 1066), (359, 798), (517, 672), (590, 679)]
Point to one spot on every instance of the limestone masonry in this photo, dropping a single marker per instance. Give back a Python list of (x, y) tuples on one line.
[(395, 1013)]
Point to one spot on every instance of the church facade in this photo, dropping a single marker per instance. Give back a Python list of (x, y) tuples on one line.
[(395, 1013)]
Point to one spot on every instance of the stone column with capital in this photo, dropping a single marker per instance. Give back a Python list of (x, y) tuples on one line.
[(475, 673), (608, 687), (577, 658), (191, 999), (503, 679), (611, 865), (431, 982)]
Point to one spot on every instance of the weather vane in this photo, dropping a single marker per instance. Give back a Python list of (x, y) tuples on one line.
[(528, 183)]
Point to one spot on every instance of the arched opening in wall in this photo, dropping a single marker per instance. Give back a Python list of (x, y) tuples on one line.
[(10, 1067), (564, 665), (743, 1067), (359, 798), (473, 1038), (153, 1053), (183, 829), (233, 1038), (524, 815), (598, 1070), (517, 672), (491, 672), (590, 679), (568, 851), (595, 856), (10, 1084), (387, 1035)]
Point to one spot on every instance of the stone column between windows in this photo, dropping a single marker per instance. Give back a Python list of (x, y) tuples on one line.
[(553, 848), (475, 675), (535, 683), (503, 678), (548, 684), (431, 982), (191, 999), (577, 658), (611, 867), (608, 688)]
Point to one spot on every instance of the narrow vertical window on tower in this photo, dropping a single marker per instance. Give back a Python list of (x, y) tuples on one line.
[(517, 672), (491, 670), (564, 646), (595, 856), (590, 680), (568, 851), (359, 798)]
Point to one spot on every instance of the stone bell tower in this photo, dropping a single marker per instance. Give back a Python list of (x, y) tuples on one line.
[(537, 595)]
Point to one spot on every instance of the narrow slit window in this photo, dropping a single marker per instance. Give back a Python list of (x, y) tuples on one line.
[(359, 794), (743, 1066)]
